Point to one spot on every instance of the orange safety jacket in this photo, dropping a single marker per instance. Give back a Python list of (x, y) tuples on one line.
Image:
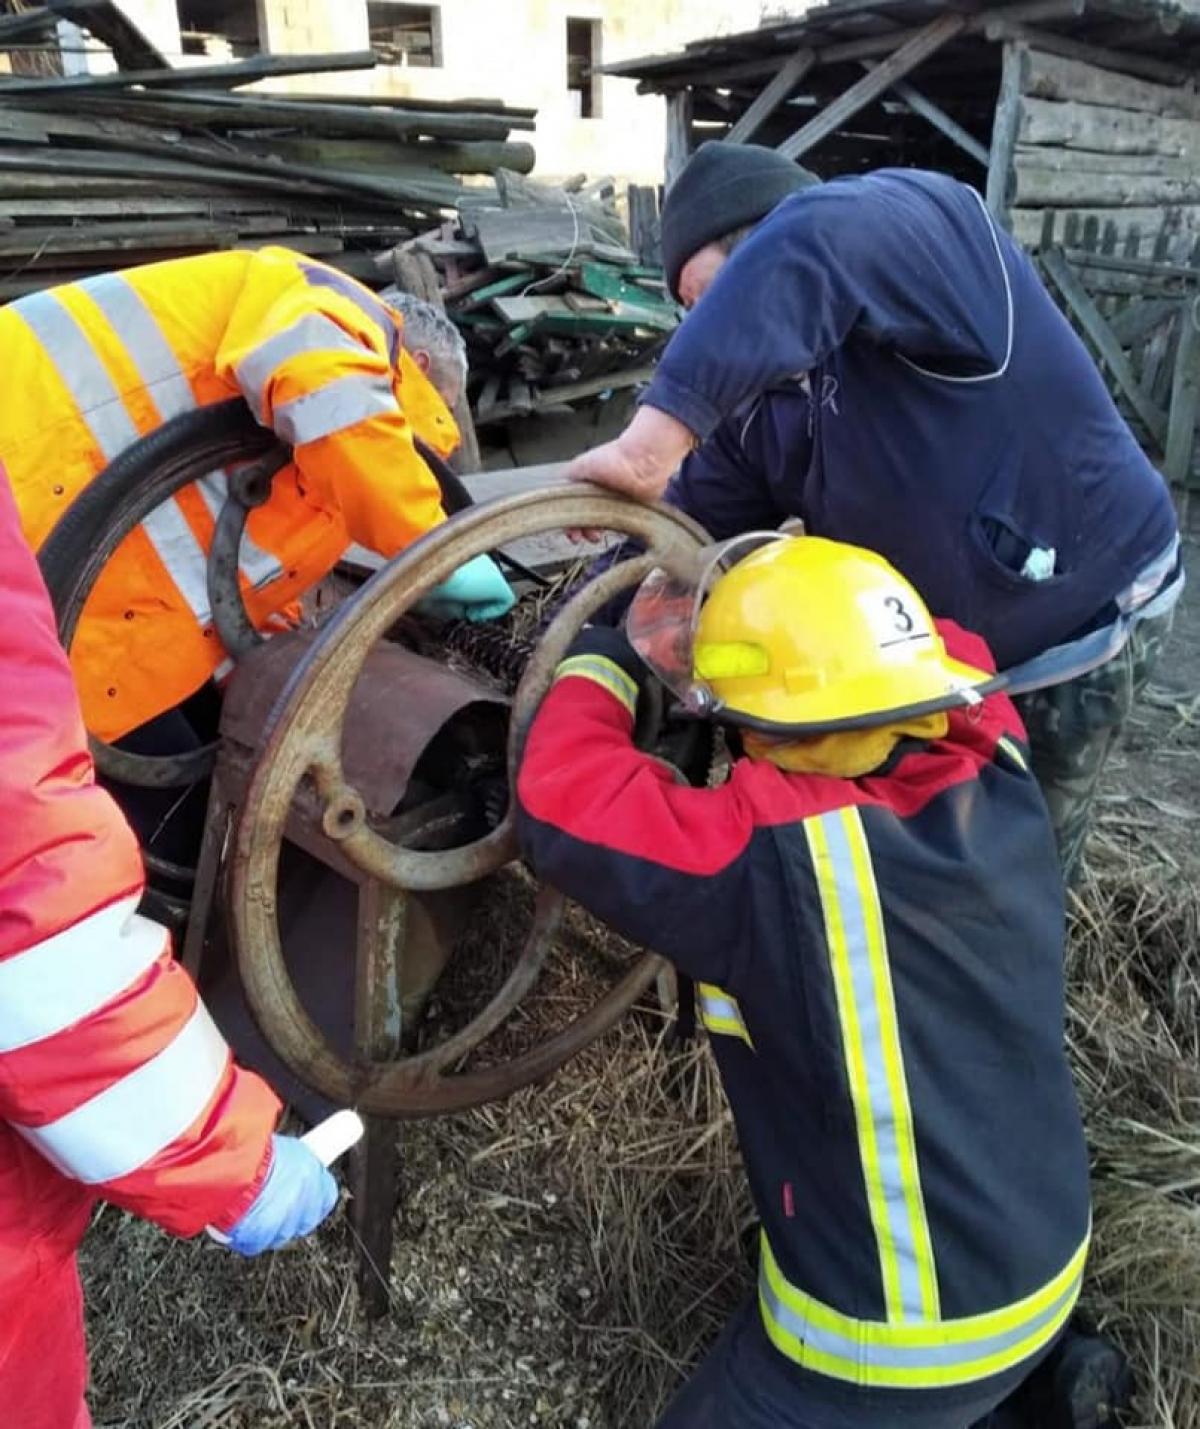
[(92, 366)]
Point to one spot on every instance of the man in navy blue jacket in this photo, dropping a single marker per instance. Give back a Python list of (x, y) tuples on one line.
[(876, 356)]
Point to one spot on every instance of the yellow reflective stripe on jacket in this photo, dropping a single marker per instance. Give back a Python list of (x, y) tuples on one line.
[(605, 673), (874, 1064), (1010, 748), (933, 1355), (720, 1012)]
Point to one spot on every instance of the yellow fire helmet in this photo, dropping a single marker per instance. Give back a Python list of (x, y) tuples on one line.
[(804, 636)]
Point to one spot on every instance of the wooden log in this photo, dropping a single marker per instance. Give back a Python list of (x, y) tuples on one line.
[(142, 205), (424, 191), (493, 108), (1057, 77), (679, 135), (23, 25), (109, 23), (236, 111), (25, 126), (1103, 127), (1124, 61), (393, 157), (644, 232), (1049, 188), (927, 41), (238, 72), (1077, 161), (52, 243), (1027, 222), (154, 170), (781, 85), (1005, 129)]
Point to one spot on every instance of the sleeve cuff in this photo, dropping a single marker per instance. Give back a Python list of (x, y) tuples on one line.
[(609, 644), (683, 403)]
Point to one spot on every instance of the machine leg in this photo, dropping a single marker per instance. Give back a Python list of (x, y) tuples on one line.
[(374, 1177), (382, 926), (208, 874)]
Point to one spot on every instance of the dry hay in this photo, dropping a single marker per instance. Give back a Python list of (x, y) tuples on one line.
[(1134, 1033), (564, 1257)]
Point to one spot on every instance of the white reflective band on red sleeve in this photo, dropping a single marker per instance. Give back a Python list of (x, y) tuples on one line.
[(60, 981), (130, 1122)]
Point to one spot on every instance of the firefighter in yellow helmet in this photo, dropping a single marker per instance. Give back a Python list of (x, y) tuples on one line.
[(871, 910)]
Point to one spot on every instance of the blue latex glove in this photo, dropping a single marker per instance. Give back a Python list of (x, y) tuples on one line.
[(295, 1198), (476, 591)]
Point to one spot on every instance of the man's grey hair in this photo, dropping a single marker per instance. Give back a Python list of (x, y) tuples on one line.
[(735, 238), (428, 328)]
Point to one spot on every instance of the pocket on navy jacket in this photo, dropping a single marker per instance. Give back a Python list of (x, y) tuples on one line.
[(1009, 555)]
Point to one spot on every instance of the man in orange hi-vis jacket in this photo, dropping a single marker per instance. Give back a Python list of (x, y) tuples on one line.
[(92, 366), (114, 1081)]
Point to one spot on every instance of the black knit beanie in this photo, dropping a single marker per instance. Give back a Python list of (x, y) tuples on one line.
[(723, 187)]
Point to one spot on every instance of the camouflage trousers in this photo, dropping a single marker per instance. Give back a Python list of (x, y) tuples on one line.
[(1073, 728)]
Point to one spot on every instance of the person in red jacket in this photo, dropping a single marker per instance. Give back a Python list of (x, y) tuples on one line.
[(873, 916), (114, 1081)]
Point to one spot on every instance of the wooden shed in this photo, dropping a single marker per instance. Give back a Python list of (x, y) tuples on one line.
[(1078, 119)]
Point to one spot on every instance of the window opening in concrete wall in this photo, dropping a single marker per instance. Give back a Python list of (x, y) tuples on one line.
[(583, 67), (220, 29), (406, 34)]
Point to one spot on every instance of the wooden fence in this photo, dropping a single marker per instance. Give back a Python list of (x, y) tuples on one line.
[(1135, 301)]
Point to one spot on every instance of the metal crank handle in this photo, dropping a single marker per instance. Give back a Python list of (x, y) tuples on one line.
[(328, 1140)]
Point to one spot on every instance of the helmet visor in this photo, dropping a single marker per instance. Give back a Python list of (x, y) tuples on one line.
[(663, 616)]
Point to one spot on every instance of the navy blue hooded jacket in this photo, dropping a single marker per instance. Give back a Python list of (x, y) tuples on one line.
[(879, 359)]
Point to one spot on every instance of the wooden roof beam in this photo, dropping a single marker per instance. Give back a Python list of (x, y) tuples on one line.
[(924, 43), (785, 80), (1123, 61), (846, 51), (924, 106)]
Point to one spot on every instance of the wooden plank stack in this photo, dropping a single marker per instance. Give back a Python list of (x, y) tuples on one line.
[(106, 171), (555, 306), (1102, 145)]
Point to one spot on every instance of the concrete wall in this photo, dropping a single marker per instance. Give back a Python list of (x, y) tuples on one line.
[(516, 50)]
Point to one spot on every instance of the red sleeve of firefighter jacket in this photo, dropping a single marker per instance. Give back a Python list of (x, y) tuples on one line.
[(110, 1065), (665, 865)]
